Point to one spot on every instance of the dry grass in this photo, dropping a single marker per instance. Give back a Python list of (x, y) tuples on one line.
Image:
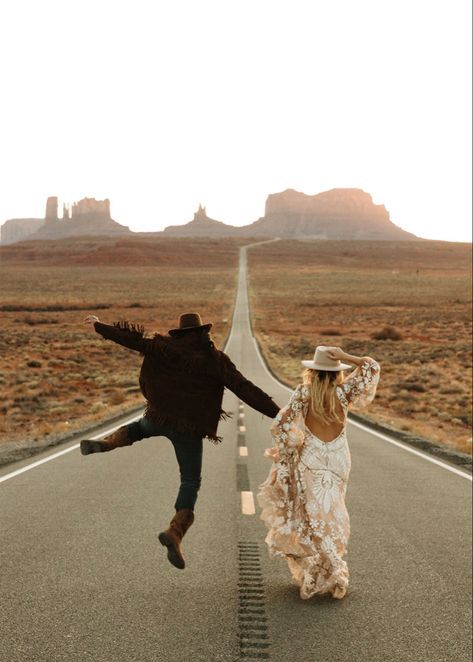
[(57, 374), (406, 304)]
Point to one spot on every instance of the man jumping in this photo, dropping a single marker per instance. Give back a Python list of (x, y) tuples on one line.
[(182, 377)]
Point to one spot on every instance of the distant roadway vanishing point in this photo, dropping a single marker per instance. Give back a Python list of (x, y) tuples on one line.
[(83, 577)]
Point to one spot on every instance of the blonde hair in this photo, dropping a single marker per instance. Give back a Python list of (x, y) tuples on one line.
[(323, 399)]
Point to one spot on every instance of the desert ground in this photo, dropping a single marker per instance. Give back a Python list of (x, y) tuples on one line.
[(57, 374), (407, 304)]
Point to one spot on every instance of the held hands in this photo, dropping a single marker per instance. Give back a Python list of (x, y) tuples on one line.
[(91, 319), (272, 453)]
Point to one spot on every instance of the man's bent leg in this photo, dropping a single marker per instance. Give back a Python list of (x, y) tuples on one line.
[(124, 436)]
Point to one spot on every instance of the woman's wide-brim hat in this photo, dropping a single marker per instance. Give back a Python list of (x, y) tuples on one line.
[(322, 361), (189, 322)]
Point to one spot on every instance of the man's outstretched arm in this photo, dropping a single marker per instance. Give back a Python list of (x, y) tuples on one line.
[(123, 333), (246, 390)]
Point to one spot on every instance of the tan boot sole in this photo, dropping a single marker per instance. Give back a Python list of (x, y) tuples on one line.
[(173, 556)]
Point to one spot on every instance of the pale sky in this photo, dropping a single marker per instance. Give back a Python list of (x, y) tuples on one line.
[(162, 105)]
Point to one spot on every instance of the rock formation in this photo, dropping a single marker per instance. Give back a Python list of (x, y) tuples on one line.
[(18, 229), (335, 214), (86, 217), (201, 226), (343, 213), (91, 208), (51, 208)]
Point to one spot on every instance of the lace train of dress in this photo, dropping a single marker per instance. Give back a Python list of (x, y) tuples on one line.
[(314, 541), (303, 498)]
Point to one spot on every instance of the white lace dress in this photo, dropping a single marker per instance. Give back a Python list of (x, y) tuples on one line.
[(303, 497)]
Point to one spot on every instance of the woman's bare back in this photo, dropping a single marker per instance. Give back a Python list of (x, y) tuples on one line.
[(325, 431)]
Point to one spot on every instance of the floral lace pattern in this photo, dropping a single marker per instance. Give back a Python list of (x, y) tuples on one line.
[(303, 497), (360, 386)]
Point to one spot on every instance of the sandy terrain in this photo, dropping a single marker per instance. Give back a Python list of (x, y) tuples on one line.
[(309, 293), (57, 374)]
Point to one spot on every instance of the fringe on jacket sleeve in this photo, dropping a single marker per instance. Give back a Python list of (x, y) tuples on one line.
[(126, 334)]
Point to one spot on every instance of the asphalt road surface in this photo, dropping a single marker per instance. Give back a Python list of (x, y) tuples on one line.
[(83, 577)]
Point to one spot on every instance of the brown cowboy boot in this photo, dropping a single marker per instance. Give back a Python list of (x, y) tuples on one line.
[(114, 440), (172, 537)]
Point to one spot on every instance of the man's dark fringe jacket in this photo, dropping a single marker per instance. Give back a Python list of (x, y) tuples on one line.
[(183, 378)]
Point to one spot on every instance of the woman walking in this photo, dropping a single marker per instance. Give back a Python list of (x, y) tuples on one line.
[(303, 497)]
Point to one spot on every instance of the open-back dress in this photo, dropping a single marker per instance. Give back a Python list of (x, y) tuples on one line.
[(303, 497)]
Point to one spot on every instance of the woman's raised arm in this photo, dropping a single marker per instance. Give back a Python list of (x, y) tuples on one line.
[(360, 386)]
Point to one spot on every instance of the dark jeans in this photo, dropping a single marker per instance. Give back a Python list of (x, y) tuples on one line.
[(188, 449)]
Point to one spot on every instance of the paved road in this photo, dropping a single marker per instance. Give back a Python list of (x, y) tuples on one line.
[(83, 578)]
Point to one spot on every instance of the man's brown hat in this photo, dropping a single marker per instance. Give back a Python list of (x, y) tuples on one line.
[(189, 322)]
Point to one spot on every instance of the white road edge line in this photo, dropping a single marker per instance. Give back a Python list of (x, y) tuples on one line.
[(247, 503), (409, 449), (384, 437), (17, 472)]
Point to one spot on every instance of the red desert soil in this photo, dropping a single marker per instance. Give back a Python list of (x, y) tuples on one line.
[(57, 374), (308, 293)]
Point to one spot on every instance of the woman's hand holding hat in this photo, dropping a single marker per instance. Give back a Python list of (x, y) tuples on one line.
[(336, 353)]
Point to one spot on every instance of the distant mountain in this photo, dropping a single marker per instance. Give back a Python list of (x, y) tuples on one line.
[(201, 226), (86, 217), (341, 213), (18, 229)]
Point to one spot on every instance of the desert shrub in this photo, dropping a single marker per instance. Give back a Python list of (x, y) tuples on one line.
[(35, 321), (72, 375), (330, 332), (404, 395), (96, 407), (34, 364), (59, 410), (117, 398), (387, 333), (125, 382), (412, 386)]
